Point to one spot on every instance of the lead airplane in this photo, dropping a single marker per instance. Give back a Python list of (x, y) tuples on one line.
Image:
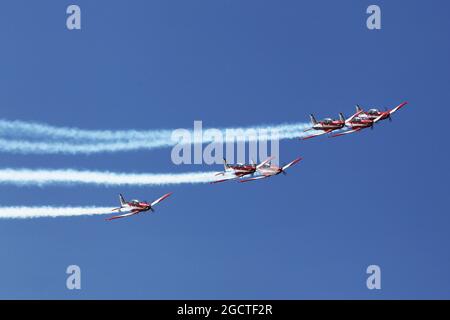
[(237, 171), (326, 125), (267, 170), (376, 115), (134, 207)]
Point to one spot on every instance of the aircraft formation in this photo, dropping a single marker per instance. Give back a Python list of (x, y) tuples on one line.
[(249, 172), (358, 121)]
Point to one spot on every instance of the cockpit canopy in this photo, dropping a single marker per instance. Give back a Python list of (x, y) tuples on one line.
[(327, 120), (135, 201), (373, 111)]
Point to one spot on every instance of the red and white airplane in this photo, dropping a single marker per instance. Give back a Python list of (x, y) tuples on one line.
[(355, 123), (377, 115), (135, 206), (267, 169), (327, 125), (362, 119), (237, 171)]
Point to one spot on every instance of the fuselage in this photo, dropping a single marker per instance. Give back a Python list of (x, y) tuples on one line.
[(329, 125), (374, 115), (270, 170), (358, 122), (136, 206), (240, 170)]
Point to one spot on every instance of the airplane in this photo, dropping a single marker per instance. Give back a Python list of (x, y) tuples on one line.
[(327, 125), (355, 123), (135, 206), (361, 119), (267, 169), (237, 171), (377, 115)]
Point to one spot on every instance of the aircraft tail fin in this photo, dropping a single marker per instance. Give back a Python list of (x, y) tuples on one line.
[(341, 117), (358, 108), (225, 164), (313, 119), (122, 200)]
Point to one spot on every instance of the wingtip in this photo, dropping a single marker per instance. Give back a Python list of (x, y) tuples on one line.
[(167, 195)]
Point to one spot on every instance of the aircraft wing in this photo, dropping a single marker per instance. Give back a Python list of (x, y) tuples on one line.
[(398, 107), (353, 116), (223, 180), (317, 134), (378, 118), (264, 162), (254, 178), (290, 164), (132, 213), (160, 199), (346, 132)]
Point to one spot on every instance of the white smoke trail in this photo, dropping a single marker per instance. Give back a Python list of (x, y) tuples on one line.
[(28, 177), (50, 212), (75, 141), (28, 147), (36, 130)]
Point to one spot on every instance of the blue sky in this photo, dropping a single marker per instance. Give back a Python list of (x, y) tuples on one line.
[(376, 197)]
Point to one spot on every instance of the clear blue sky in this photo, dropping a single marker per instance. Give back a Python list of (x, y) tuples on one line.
[(377, 197)]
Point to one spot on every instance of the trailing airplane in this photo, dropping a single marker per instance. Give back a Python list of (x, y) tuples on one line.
[(135, 206), (267, 169), (326, 125), (355, 123), (237, 171)]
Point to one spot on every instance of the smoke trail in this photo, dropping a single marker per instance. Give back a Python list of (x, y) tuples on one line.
[(37, 130), (28, 177), (75, 141), (28, 147), (50, 212)]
